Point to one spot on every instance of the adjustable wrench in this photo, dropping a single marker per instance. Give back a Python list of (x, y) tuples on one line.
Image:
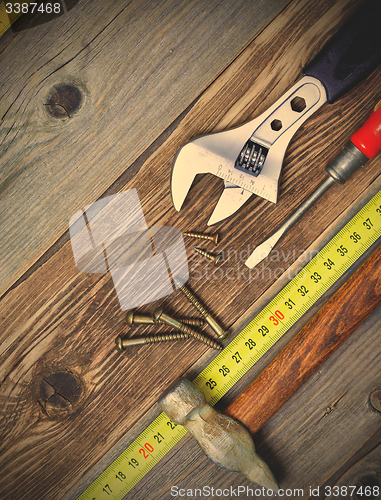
[(249, 158), (364, 144)]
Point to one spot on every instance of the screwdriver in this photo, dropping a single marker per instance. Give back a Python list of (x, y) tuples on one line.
[(364, 144)]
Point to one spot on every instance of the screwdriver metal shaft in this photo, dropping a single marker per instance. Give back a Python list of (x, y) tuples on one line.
[(348, 161), (263, 250), (364, 144)]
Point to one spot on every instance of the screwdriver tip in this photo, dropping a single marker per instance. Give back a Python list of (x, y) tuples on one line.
[(260, 253), (263, 250)]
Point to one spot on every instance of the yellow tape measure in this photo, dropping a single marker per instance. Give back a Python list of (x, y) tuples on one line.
[(6, 20), (246, 349)]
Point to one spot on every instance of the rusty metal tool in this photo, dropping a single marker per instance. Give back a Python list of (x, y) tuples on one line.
[(226, 442), (364, 144), (354, 302), (249, 158)]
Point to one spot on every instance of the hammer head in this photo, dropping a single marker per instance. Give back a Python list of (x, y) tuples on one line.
[(225, 441)]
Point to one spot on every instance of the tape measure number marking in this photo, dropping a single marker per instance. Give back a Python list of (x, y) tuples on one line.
[(136, 461), (292, 302), (246, 349)]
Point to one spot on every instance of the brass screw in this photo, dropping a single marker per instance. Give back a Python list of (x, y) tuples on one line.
[(192, 321), (159, 315), (215, 258), (203, 236), (222, 334), (141, 319), (122, 344), (132, 318)]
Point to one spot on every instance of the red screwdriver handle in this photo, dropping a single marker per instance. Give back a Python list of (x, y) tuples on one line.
[(368, 137)]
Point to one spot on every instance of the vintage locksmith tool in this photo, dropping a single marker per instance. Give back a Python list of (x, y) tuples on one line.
[(249, 158), (364, 144), (355, 301)]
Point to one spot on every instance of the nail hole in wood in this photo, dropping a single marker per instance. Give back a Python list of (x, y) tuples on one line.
[(63, 101)]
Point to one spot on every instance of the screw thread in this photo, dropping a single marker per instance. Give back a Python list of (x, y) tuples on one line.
[(194, 300), (221, 333), (161, 316), (185, 321), (192, 321), (199, 336), (203, 236), (122, 344), (215, 258), (166, 337)]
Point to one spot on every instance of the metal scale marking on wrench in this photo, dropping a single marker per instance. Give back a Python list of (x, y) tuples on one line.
[(249, 158)]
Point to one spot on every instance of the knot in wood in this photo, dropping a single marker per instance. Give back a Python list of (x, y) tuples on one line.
[(370, 482), (375, 400), (59, 393), (63, 101)]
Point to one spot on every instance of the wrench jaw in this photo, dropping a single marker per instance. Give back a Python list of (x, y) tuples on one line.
[(200, 156), (222, 154), (184, 171), (231, 199), (266, 186)]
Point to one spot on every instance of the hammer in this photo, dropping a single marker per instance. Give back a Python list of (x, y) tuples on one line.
[(228, 443)]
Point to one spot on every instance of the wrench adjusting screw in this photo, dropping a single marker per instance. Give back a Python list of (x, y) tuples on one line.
[(122, 344), (221, 332), (159, 315), (203, 236), (215, 258)]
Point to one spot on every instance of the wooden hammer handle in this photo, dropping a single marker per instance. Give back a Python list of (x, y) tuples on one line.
[(328, 329)]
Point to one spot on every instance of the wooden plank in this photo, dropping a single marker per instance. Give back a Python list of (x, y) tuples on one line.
[(364, 477), (137, 65), (57, 319), (183, 457), (317, 432)]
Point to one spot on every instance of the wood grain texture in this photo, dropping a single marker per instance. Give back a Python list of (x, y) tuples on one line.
[(172, 464), (364, 476), (56, 319), (138, 65), (310, 348), (304, 443)]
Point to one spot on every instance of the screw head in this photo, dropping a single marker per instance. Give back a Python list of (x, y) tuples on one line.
[(215, 238), (224, 336), (130, 318), (118, 343), (157, 313)]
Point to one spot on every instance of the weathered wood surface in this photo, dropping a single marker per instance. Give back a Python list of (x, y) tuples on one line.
[(138, 65), (334, 323), (326, 428), (57, 319), (360, 474)]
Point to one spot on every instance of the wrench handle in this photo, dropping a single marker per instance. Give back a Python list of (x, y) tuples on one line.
[(351, 54)]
